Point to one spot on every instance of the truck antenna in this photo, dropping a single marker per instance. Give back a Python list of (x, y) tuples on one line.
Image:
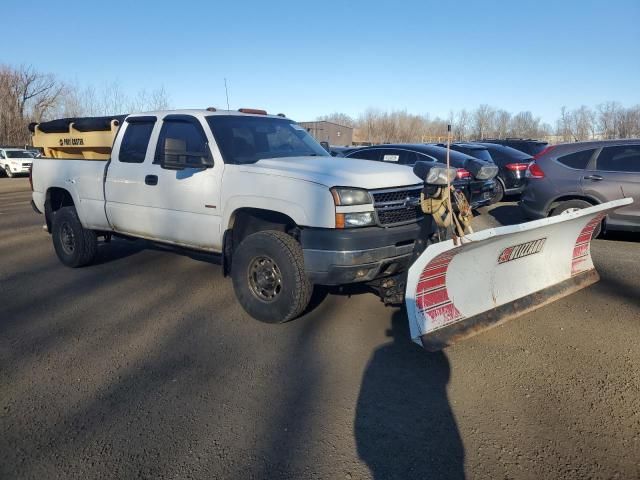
[(226, 91)]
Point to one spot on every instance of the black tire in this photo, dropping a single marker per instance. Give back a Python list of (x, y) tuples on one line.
[(498, 192), (7, 170), (575, 204), (74, 245), (268, 276)]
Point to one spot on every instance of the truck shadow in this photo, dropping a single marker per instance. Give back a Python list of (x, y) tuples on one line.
[(404, 426)]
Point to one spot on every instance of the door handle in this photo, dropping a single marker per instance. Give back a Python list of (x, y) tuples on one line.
[(595, 178), (151, 180)]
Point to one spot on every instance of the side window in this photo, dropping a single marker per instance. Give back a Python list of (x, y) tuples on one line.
[(368, 154), (577, 160), (135, 142), (183, 142), (623, 158), (2, 154), (403, 157)]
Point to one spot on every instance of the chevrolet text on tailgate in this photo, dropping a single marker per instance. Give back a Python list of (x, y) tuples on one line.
[(256, 189)]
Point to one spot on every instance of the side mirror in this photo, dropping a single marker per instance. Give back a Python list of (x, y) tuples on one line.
[(173, 155), (325, 145)]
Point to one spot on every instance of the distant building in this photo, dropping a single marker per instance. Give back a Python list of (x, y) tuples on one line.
[(335, 134)]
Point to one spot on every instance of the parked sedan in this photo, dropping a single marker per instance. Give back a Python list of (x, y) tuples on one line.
[(512, 163), (474, 178), (571, 176), (15, 161)]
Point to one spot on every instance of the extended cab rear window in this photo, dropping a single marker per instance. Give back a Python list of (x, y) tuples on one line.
[(246, 139), (577, 160), (135, 142)]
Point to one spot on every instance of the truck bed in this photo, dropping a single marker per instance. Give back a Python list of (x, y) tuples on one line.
[(82, 179)]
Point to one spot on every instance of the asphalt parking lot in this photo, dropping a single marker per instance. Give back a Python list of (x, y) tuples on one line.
[(144, 366)]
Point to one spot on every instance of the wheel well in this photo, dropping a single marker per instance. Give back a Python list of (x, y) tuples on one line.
[(245, 221), (56, 199), (559, 200)]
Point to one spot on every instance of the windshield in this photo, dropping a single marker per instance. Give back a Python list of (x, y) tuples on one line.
[(18, 154), (244, 139)]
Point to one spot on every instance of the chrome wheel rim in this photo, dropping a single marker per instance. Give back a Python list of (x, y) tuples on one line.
[(265, 279)]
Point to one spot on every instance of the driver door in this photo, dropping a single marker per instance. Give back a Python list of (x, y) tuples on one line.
[(178, 205)]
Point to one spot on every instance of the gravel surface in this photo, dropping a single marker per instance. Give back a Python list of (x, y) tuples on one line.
[(144, 366)]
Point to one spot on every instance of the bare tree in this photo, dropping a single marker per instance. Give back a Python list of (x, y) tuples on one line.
[(482, 121), (502, 124), (609, 114), (339, 118), (25, 96)]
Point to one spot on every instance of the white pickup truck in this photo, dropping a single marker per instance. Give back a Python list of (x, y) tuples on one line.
[(254, 188)]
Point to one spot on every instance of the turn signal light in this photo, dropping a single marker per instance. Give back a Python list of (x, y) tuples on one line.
[(462, 173), (517, 167), (534, 171)]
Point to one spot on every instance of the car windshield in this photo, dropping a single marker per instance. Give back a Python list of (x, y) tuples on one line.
[(244, 139), (18, 154)]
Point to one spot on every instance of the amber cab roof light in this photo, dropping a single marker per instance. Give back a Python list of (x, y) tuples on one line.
[(255, 111)]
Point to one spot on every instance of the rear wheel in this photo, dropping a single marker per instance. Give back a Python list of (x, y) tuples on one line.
[(75, 245), (498, 192), (572, 206), (268, 276)]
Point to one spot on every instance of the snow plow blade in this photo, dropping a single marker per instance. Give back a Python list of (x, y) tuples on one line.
[(495, 275)]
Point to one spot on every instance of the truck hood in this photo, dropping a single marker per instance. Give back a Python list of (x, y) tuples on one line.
[(337, 171)]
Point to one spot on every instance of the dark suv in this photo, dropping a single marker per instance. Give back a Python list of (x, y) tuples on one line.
[(526, 145), (477, 190), (577, 175)]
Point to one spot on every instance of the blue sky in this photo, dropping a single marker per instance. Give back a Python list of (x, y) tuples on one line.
[(311, 58)]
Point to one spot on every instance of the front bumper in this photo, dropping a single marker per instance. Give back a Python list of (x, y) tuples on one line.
[(343, 256)]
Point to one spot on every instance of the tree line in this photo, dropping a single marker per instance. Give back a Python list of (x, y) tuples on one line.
[(606, 121), (27, 95)]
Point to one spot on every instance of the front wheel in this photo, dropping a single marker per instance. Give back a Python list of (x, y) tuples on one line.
[(269, 280), (8, 171), (75, 245)]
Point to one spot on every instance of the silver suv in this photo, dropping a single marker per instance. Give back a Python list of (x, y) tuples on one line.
[(577, 175)]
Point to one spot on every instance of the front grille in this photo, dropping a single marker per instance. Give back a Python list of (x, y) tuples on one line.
[(397, 206)]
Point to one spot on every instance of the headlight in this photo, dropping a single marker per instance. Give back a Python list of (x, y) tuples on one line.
[(487, 172), (441, 175), (359, 219), (350, 196)]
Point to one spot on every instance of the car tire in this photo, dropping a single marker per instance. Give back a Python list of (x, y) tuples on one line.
[(571, 205), (8, 171), (269, 280), (498, 192), (75, 245)]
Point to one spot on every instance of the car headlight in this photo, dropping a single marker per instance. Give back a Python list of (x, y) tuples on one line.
[(441, 175), (350, 196), (355, 219), (487, 172)]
